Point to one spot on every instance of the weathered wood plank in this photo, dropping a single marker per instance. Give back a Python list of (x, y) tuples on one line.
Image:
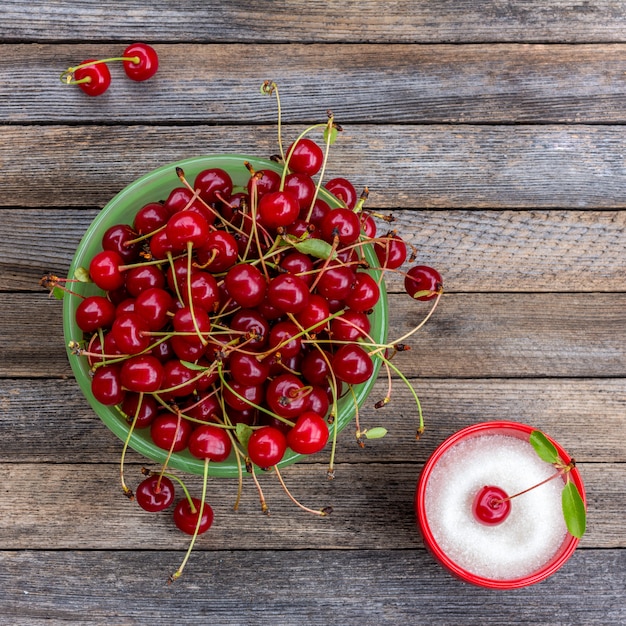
[(50, 421), (266, 587), (445, 166), (316, 21), (379, 83), (372, 506), (469, 335), (476, 250)]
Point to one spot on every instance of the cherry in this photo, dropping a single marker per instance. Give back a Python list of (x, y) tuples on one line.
[(219, 251), (288, 293), (284, 337), (104, 270), (309, 434), (190, 322), (142, 61), (151, 217), (117, 238), (130, 332), (344, 190), (425, 280), (155, 493), (246, 369), (302, 187), (267, 446), (213, 185), (318, 400), (252, 325), (106, 385), (94, 312), (342, 223), (286, 395), (265, 181), (187, 227), (314, 318), (143, 277), (352, 364), (142, 415), (300, 264), (204, 291), (491, 506), (142, 373), (210, 442), (207, 409), (350, 326), (391, 252), (335, 282), (278, 208), (364, 293), (315, 366), (154, 306), (306, 157), (245, 284), (170, 432), (92, 76), (241, 397), (186, 515), (178, 380)]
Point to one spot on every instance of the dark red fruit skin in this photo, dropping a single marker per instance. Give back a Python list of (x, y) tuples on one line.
[(309, 434), (186, 520), (423, 278), (148, 61), (170, 433), (214, 184), (344, 190), (95, 312), (210, 442), (352, 364), (155, 493), (266, 446), (106, 385), (490, 507), (306, 157), (100, 77)]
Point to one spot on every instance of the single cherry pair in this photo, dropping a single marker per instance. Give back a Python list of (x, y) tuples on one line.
[(140, 63)]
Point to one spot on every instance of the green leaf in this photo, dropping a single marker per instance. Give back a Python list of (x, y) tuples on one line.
[(82, 274), (333, 135), (574, 510), (243, 432), (375, 433), (58, 293), (194, 366), (318, 248), (543, 447)]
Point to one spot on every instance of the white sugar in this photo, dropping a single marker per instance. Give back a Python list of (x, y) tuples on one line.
[(534, 529)]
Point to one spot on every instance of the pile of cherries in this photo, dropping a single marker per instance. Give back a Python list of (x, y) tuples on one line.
[(231, 320)]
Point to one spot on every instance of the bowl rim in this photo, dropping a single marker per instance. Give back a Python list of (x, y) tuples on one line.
[(110, 415), (521, 431)]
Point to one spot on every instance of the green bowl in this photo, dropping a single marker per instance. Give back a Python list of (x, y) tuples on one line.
[(155, 186)]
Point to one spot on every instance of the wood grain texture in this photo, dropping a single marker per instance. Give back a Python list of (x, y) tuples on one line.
[(475, 250), (470, 335), (372, 506), (316, 21), (364, 83), (51, 422), (496, 167)]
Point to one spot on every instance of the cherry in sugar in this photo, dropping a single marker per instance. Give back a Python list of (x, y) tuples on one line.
[(490, 506)]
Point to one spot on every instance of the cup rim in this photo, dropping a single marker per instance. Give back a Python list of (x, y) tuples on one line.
[(521, 431)]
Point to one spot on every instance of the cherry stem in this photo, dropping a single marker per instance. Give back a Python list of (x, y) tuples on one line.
[(66, 76), (125, 488), (205, 477), (320, 512), (560, 472)]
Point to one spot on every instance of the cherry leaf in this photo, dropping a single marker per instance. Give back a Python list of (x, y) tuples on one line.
[(194, 366), (82, 274), (243, 432), (375, 433), (318, 248), (574, 510), (422, 293), (58, 293), (331, 137), (543, 447)]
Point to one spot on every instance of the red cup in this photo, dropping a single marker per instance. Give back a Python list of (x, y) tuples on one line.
[(514, 429)]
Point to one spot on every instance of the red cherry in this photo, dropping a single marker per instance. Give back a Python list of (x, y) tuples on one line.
[(300, 264), (490, 506), (151, 217), (142, 415), (186, 518), (342, 223), (344, 190), (284, 338), (352, 364), (170, 432), (178, 380), (245, 284), (187, 227), (335, 282), (155, 493), (246, 369), (210, 442), (314, 317), (117, 237), (242, 397), (96, 77), (219, 251), (154, 305), (266, 446), (350, 326), (278, 208), (104, 270), (309, 434), (213, 185), (422, 278), (130, 332), (286, 395), (265, 181), (144, 277), (189, 322), (142, 373), (364, 293), (253, 326), (94, 312), (391, 252), (302, 187), (306, 157), (106, 385), (289, 293), (315, 366), (143, 62)]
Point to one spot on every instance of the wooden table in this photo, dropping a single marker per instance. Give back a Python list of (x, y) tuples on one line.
[(494, 132)]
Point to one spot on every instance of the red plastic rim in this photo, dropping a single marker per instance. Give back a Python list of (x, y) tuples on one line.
[(515, 429)]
